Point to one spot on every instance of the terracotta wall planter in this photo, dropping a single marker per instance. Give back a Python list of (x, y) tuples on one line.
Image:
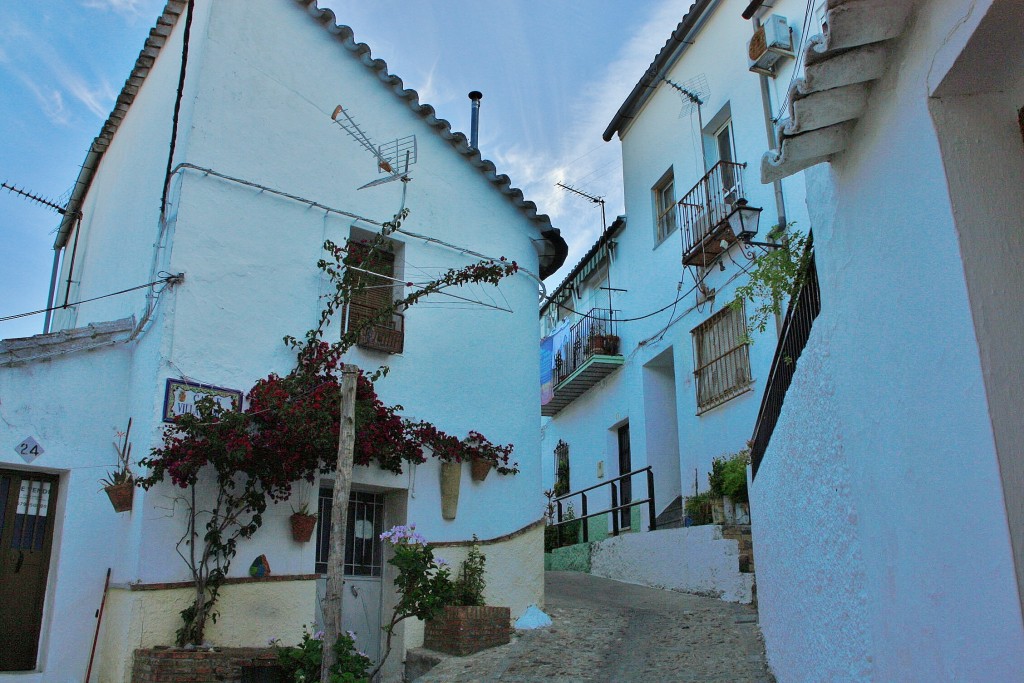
[(451, 479), (302, 526), (121, 496), (479, 469), (465, 630)]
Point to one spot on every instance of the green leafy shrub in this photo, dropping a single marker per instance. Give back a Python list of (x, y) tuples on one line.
[(470, 584), (301, 663), (728, 476), (776, 276), (698, 508)]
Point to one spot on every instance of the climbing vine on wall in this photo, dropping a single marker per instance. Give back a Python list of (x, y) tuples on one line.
[(289, 431)]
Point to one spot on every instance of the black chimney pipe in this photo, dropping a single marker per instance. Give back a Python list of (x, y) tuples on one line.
[(474, 131)]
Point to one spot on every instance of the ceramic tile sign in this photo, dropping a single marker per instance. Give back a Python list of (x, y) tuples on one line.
[(29, 450), (180, 397)]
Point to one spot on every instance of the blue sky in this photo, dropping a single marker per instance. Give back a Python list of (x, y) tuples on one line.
[(553, 73)]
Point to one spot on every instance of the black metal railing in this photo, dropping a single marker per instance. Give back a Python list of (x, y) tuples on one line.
[(704, 210), (796, 329), (594, 334), (615, 508)]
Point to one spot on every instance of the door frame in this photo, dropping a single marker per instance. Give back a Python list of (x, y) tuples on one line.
[(8, 511)]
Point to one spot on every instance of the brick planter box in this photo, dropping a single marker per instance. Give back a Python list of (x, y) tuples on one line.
[(226, 665), (465, 630)]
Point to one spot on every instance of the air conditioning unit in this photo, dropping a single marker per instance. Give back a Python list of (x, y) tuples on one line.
[(772, 42)]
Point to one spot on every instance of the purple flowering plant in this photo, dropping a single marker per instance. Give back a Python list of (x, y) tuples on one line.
[(424, 582)]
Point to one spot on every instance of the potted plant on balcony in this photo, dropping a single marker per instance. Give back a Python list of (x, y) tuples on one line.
[(597, 339), (611, 345), (303, 522), (119, 484)]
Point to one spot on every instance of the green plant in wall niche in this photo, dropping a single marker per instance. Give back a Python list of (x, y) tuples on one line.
[(777, 275)]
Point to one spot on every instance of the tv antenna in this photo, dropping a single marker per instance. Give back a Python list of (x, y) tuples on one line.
[(393, 158), (34, 197), (589, 197), (694, 93)]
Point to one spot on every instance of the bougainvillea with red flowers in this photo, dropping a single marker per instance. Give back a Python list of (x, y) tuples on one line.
[(289, 429)]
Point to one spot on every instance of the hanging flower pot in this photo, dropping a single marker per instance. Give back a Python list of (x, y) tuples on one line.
[(121, 495), (451, 476), (479, 468), (302, 526)]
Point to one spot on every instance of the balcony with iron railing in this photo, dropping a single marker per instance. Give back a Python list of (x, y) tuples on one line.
[(704, 212), (589, 353), (377, 331)]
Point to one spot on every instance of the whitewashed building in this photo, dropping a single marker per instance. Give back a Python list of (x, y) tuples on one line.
[(230, 171), (682, 385), (888, 507)]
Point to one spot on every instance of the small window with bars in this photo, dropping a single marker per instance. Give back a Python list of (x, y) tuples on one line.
[(363, 556), (721, 358), (561, 468), (665, 206)]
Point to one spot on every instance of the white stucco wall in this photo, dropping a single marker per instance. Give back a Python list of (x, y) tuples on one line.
[(251, 278), (692, 560), (883, 464), (72, 406), (659, 360)]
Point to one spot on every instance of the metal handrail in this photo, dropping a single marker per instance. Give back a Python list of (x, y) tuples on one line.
[(793, 336), (615, 507)]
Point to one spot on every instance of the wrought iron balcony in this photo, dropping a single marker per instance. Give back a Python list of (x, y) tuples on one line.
[(387, 335), (588, 354), (703, 213)]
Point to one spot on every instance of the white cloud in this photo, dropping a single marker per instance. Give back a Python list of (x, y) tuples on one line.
[(55, 85), (127, 7), (584, 160)]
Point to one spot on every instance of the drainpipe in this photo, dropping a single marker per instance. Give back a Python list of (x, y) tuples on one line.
[(474, 131), (773, 143), (53, 289)]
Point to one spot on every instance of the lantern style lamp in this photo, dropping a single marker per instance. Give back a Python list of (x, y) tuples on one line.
[(743, 220)]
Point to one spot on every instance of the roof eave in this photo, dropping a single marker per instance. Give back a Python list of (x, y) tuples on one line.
[(665, 59)]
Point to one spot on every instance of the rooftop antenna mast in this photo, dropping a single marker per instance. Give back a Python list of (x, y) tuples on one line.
[(604, 225), (590, 197), (34, 197), (694, 93), (393, 158)]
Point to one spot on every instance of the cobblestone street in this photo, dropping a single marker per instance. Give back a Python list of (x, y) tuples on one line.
[(609, 631)]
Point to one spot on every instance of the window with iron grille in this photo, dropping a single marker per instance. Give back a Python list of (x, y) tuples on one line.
[(665, 206), (363, 556), (721, 358), (561, 468)]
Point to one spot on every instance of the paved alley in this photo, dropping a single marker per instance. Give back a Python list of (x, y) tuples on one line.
[(609, 631)]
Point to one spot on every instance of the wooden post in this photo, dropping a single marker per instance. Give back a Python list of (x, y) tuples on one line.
[(339, 518)]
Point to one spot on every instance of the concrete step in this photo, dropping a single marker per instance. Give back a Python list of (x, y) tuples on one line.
[(672, 516)]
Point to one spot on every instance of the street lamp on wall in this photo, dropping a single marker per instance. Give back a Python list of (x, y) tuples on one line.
[(743, 220)]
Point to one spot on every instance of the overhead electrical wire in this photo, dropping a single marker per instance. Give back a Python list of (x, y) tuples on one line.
[(169, 279)]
